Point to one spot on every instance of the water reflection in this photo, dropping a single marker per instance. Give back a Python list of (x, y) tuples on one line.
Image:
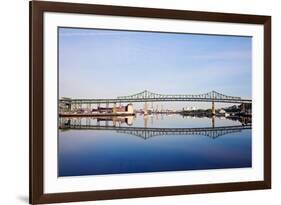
[(155, 120), (110, 145)]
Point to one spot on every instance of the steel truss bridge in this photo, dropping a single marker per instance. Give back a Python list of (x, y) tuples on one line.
[(146, 133), (147, 96)]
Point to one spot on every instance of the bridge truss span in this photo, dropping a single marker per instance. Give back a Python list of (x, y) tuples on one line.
[(151, 95), (147, 96)]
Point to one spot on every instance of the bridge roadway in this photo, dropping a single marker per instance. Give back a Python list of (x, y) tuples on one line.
[(147, 96), (146, 133)]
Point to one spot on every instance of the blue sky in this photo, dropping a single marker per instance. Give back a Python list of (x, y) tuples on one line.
[(106, 64)]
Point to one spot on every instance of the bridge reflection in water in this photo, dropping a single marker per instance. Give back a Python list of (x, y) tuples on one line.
[(146, 133), (152, 143)]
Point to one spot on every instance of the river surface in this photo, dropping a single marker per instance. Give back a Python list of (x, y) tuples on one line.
[(90, 146)]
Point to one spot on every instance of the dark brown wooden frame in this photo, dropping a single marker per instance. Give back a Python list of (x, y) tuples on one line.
[(37, 9)]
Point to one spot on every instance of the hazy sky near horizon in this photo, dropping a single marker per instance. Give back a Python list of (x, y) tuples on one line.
[(106, 64)]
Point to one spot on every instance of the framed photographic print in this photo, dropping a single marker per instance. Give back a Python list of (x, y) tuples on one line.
[(138, 102)]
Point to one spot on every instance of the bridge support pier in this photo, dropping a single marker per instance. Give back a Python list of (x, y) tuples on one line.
[(145, 110), (114, 108), (213, 108)]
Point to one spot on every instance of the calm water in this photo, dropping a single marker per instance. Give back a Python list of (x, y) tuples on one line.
[(109, 150)]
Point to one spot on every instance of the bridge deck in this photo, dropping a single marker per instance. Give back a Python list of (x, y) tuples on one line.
[(97, 101)]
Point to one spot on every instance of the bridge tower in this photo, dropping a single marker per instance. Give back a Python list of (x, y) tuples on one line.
[(213, 108)]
